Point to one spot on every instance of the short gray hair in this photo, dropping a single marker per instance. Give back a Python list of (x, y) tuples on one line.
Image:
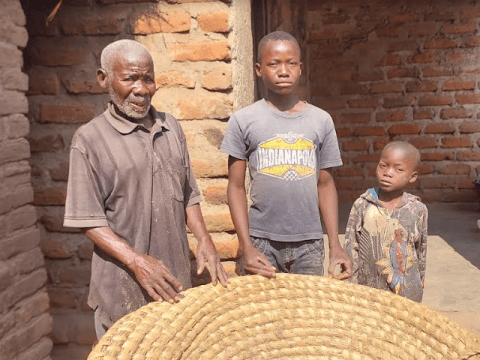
[(125, 47)]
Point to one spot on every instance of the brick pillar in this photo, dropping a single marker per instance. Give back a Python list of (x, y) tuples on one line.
[(24, 318)]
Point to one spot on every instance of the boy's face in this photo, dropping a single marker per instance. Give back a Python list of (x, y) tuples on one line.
[(395, 171), (280, 68)]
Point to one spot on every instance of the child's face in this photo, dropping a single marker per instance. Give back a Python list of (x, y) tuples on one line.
[(395, 171), (280, 68)]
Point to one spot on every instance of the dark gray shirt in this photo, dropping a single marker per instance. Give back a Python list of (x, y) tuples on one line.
[(284, 152), (138, 182)]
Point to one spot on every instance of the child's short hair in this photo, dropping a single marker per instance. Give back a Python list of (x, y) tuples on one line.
[(411, 152), (275, 36)]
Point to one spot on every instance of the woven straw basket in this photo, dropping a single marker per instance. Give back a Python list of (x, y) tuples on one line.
[(290, 317)]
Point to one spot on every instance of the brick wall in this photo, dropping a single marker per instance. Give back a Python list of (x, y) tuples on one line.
[(24, 318), (199, 57), (394, 70)]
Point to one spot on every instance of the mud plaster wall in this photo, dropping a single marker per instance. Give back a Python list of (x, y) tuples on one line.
[(24, 305), (394, 70), (202, 52)]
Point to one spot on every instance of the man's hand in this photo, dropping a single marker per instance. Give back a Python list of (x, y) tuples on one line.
[(257, 263), (206, 251), (339, 257), (156, 278)]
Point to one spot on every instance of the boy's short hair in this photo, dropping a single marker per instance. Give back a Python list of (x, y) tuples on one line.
[(411, 152), (275, 36)]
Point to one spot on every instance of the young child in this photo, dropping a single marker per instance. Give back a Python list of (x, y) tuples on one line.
[(290, 147), (386, 235)]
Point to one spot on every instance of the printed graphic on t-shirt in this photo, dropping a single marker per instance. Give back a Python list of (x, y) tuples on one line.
[(287, 156)]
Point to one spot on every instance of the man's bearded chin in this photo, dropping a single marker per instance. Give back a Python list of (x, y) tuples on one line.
[(127, 108)]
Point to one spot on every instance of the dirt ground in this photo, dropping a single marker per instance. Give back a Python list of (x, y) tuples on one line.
[(452, 282)]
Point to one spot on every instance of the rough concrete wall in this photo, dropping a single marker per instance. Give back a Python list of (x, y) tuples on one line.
[(395, 70), (24, 318), (194, 44)]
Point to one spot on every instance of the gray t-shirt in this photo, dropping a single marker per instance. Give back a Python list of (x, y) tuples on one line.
[(284, 153)]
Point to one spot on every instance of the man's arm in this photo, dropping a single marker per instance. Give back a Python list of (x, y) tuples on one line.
[(206, 249), (255, 261), (328, 204), (151, 273)]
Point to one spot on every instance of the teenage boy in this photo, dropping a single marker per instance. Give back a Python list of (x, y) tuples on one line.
[(386, 234), (290, 147)]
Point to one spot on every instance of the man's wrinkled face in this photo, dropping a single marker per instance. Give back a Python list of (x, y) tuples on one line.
[(131, 84)]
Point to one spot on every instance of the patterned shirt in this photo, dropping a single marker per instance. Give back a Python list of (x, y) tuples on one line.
[(388, 249)]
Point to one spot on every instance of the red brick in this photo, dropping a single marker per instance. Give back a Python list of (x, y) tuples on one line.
[(389, 31), (203, 107), (85, 250), (201, 51), (343, 132), (389, 60), (422, 29), (468, 155), (218, 79), (431, 71), (398, 101), (353, 88), (162, 23), (364, 103), (437, 156), (455, 169), (421, 86), (469, 13), (207, 169), (215, 194), (454, 85), (50, 196), (439, 128), (438, 182), (366, 158), (425, 169), (379, 145), (324, 34), (439, 44), (473, 41), (219, 222), (45, 51), (61, 298), (320, 90), (455, 113), (401, 45), (456, 142), (391, 115), (82, 83), (348, 118), (49, 143), (214, 22), (55, 248), (455, 29), (389, 87), (428, 56), (341, 75), (64, 114), (79, 24), (466, 183), (401, 73), (469, 127), (330, 104), (422, 114), (42, 81), (348, 172), (354, 145), (444, 15), (468, 98), (214, 136), (59, 173), (402, 129), (459, 56), (174, 78), (369, 131), (434, 100), (55, 224), (374, 75)]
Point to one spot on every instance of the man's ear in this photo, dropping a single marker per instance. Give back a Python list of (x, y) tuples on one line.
[(102, 78), (258, 69), (414, 177)]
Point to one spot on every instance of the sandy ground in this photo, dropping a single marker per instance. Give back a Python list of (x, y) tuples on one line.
[(452, 284)]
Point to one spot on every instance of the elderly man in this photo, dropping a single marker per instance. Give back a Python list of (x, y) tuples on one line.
[(131, 189)]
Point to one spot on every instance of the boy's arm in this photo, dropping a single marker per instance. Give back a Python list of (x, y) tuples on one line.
[(351, 242), (328, 204), (255, 261), (421, 247)]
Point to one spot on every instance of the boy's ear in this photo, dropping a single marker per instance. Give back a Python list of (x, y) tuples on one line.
[(258, 69), (102, 78), (414, 177)]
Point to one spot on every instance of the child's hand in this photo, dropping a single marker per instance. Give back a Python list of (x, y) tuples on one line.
[(257, 263), (339, 257)]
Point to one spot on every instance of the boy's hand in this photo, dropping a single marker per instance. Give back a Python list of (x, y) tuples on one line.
[(339, 257), (206, 252), (257, 263)]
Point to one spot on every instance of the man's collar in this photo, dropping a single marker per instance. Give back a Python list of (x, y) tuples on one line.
[(124, 126)]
